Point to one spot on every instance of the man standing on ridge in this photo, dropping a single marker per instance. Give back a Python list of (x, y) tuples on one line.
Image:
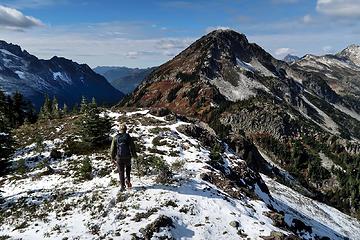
[(122, 150)]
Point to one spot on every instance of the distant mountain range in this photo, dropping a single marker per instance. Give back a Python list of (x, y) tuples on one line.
[(297, 121), (60, 77), (123, 78), (291, 58), (220, 112)]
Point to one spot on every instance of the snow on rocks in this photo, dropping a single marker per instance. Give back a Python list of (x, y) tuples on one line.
[(244, 87), (63, 77), (324, 220), (204, 199), (58, 205)]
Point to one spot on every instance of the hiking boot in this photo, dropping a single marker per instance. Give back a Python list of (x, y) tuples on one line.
[(122, 189), (128, 184)]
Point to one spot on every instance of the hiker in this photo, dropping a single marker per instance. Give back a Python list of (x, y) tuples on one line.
[(122, 150)]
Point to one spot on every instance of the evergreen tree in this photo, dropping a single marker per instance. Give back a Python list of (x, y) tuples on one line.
[(93, 103), (75, 109), (14, 111), (9, 111), (4, 118), (55, 108), (64, 110), (6, 149), (85, 170), (31, 115), (84, 107), (94, 129), (46, 109), (19, 109)]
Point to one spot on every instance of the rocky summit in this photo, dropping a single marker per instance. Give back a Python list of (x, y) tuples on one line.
[(264, 106)]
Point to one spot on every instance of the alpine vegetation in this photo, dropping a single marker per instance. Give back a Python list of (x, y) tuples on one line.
[(75, 194)]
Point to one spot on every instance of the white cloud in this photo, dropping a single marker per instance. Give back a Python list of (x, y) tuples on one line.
[(11, 18), (283, 51), (120, 44), (307, 19), (173, 43), (327, 49), (21, 4), (339, 8)]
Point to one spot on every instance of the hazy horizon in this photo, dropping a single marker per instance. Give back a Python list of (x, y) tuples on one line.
[(149, 33)]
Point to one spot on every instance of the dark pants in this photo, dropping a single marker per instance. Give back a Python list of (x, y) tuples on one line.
[(124, 165)]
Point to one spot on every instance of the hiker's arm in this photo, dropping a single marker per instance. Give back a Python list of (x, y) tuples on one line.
[(113, 149), (132, 148)]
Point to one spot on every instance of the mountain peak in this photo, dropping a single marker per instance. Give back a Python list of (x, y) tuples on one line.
[(226, 35), (224, 32), (351, 53), (353, 46), (211, 53), (291, 58), (15, 50)]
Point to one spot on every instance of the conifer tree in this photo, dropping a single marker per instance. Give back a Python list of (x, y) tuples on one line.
[(46, 109), (94, 129), (75, 109), (19, 109), (4, 119), (9, 111), (6, 149), (55, 108), (14, 110), (93, 103), (64, 110), (84, 105)]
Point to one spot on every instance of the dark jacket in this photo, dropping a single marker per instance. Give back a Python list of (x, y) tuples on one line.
[(113, 148)]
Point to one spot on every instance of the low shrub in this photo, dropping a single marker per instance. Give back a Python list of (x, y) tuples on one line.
[(178, 165), (85, 170), (158, 141)]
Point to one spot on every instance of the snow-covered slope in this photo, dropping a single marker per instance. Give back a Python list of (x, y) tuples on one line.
[(336, 224), (225, 200)]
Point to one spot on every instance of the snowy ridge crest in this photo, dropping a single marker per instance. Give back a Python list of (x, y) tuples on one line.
[(204, 200)]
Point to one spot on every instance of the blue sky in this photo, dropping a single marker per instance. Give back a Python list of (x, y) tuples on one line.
[(141, 33)]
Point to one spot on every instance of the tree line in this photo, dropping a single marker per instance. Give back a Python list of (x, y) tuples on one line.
[(16, 111)]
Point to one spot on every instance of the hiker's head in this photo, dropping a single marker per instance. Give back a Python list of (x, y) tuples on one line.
[(123, 128)]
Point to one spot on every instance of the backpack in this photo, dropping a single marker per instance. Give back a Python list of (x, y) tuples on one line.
[(123, 146)]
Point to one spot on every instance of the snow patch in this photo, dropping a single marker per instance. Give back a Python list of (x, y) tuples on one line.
[(62, 76), (347, 111), (245, 88), (324, 220), (20, 74), (6, 52), (330, 125), (261, 68)]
